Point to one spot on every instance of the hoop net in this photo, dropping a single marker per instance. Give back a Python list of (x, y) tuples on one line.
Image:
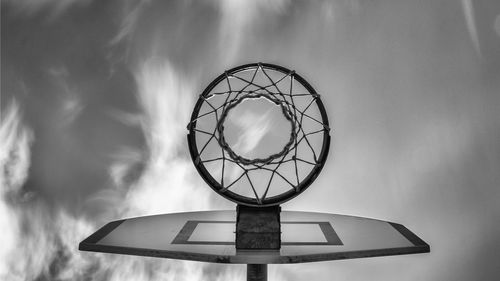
[(239, 174)]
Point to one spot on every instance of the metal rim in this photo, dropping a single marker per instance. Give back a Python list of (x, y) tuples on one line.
[(271, 200)]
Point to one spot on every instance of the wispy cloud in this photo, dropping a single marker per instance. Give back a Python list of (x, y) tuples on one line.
[(166, 98), (132, 12), (470, 21), (15, 141), (33, 245), (254, 128), (237, 19), (71, 105), (53, 7)]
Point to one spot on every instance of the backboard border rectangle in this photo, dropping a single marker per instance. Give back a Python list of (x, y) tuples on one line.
[(332, 239)]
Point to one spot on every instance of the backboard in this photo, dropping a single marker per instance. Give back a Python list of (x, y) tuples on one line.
[(209, 237)]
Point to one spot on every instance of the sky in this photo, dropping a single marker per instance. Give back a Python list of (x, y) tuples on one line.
[(96, 95)]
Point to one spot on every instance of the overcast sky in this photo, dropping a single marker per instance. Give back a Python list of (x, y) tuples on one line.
[(96, 95)]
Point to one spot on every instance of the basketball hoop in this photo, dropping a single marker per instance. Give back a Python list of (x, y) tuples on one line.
[(257, 233), (299, 161)]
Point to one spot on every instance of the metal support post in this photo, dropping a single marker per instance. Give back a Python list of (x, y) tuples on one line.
[(256, 272)]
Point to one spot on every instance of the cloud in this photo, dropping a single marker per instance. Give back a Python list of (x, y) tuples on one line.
[(54, 7), (237, 19), (15, 141), (166, 185), (129, 20), (254, 128), (71, 105), (33, 239), (470, 21)]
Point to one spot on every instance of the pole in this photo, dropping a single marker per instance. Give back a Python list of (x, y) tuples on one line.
[(256, 272)]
